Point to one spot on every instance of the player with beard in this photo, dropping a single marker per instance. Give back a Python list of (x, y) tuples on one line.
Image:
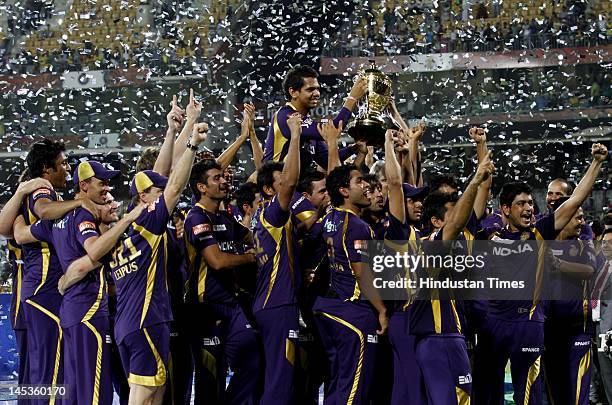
[(278, 279), (349, 326), (514, 329), (569, 325), (211, 237), (301, 89), (557, 189), (84, 314)]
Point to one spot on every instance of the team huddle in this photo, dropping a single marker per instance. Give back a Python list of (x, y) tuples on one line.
[(264, 293)]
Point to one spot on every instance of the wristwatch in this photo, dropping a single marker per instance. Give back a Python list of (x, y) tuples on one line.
[(192, 146)]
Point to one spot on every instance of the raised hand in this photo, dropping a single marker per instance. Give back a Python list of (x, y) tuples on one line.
[(360, 88), (485, 169), (194, 108), (416, 133), (478, 134), (294, 122), (248, 119), (175, 116), (329, 132), (199, 133), (599, 152)]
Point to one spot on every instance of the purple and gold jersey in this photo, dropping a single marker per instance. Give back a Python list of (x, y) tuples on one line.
[(42, 269), (16, 260), (202, 229), (278, 275), (572, 313), (138, 267), (86, 299), (312, 147), (301, 208), (528, 264), (346, 236)]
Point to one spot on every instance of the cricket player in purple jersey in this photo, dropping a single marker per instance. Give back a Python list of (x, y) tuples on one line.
[(301, 90), (515, 329), (84, 310), (278, 279), (212, 237), (437, 317), (39, 296), (569, 327), (349, 326), (138, 267)]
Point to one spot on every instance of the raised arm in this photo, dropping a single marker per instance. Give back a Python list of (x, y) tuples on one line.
[(180, 175), (411, 161), (394, 179), (291, 168), (256, 147), (482, 151), (163, 163), (194, 109), (228, 155), (564, 213), (11, 208), (331, 133), (464, 207)]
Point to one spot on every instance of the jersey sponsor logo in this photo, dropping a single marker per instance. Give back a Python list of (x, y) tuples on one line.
[(41, 191), (299, 200), (582, 343), (530, 349), (211, 341), (125, 270), (227, 246), (219, 228), (372, 338), (360, 244), (198, 229), (522, 310), (465, 379), (504, 251), (330, 226), (85, 225), (294, 334)]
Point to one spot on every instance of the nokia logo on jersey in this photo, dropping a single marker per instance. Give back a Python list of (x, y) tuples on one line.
[(61, 224), (219, 228), (124, 270), (465, 379), (504, 251), (330, 226)]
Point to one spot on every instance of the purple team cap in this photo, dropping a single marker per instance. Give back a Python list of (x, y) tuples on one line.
[(90, 168), (412, 191), (145, 179)]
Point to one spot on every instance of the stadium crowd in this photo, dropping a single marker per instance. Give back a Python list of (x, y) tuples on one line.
[(272, 280)]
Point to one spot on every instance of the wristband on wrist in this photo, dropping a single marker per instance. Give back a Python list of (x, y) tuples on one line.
[(192, 146), (352, 98)]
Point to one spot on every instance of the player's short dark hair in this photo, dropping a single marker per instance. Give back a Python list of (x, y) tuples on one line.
[(438, 180), (265, 174), (607, 219), (199, 174), (42, 155), (306, 179), (372, 181), (339, 177), (598, 228), (569, 189), (510, 190), (294, 78), (245, 194), (147, 158), (434, 205)]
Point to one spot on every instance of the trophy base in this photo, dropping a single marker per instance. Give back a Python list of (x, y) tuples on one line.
[(370, 130)]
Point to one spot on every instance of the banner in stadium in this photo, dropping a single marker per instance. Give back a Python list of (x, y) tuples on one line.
[(83, 80)]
